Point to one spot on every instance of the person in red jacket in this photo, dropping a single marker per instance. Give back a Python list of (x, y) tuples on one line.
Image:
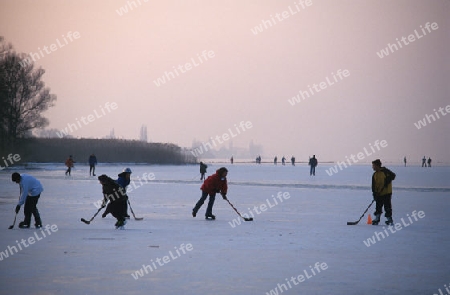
[(216, 183)]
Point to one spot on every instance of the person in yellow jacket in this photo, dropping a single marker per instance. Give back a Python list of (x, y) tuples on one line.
[(382, 191)]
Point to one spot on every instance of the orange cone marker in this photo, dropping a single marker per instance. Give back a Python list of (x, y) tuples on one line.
[(369, 219)]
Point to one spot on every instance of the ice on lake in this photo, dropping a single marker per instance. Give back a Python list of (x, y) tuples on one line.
[(300, 243)]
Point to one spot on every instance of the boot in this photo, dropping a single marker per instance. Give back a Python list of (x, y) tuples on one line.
[(210, 216), (376, 220), (120, 223), (37, 219), (24, 225), (389, 221)]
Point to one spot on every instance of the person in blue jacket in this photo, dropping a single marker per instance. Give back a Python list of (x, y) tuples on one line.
[(124, 180), (92, 162), (31, 190)]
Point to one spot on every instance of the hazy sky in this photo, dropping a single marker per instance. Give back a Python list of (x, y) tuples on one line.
[(247, 75)]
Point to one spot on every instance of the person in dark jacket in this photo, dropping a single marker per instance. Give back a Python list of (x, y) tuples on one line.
[(382, 191), (92, 162), (216, 183), (203, 167), (124, 180), (312, 164), (114, 199)]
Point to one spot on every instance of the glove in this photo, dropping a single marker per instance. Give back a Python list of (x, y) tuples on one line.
[(17, 209), (224, 196)]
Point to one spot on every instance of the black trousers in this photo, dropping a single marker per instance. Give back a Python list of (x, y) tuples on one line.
[(92, 169), (117, 208), (385, 201), (30, 208), (200, 202)]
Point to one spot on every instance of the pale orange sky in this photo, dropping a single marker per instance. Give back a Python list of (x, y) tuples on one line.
[(250, 77)]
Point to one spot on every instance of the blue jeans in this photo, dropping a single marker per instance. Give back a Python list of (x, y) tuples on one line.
[(200, 202)]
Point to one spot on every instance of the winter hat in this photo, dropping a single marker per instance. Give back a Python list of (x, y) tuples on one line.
[(222, 170), (377, 162), (15, 177)]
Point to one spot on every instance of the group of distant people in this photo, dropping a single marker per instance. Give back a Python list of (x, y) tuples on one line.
[(425, 162), (92, 162)]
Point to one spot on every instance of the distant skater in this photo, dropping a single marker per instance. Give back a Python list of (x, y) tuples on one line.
[(203, 167), (429, 162), (283, 161), (312, 164), (216, 183), (69, 165), (404, 160), (382, 192), (275, 160), (424, 162), (30, 191), (231, 160), (92, 162), (293, 161)]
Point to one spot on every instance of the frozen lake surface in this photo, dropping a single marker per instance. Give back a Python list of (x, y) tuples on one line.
[(298, 243)]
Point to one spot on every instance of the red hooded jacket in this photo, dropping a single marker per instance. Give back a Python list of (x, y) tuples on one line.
[(214, 184)]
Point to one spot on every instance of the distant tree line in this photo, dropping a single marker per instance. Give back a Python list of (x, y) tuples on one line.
[(57, 150)]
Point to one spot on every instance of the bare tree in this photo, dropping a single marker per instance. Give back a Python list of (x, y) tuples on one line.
[(23, 95)]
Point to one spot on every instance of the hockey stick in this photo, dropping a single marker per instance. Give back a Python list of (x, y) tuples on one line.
[(356, 222), (89, 221), (12, 226), (136, 218), (245, 218)]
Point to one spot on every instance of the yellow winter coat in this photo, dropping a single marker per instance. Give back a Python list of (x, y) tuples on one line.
[(378, 187)]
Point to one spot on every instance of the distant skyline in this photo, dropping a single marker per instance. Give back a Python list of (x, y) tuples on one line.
[(329, 78)]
